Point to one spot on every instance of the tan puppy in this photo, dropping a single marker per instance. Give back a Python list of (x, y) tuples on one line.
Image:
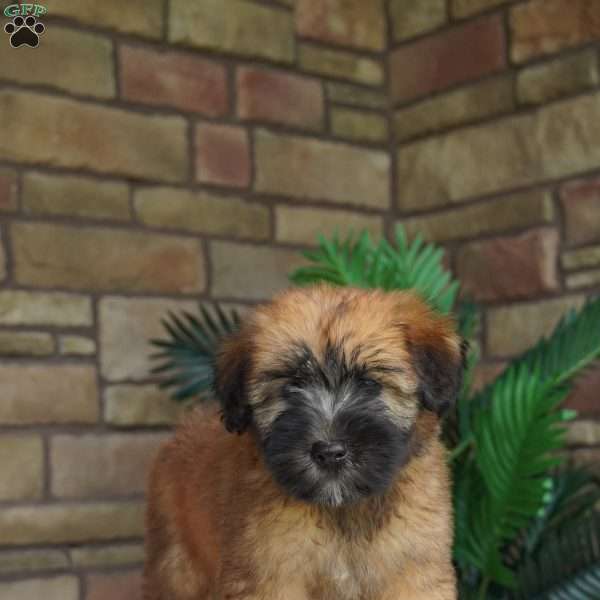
[(337, 486)]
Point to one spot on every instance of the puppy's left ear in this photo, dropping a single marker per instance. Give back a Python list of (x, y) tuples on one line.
[(232, 367), (439, 363)]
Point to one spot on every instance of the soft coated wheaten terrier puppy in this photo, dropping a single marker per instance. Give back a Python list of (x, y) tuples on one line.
[(337, 486)]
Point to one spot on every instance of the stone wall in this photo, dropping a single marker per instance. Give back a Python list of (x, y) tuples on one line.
[(154, 152)]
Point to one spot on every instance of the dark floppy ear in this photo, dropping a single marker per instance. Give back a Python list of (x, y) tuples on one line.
[(232, 367), (439, 369)]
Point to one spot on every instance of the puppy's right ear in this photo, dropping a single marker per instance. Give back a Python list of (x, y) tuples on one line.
[(232, 367)]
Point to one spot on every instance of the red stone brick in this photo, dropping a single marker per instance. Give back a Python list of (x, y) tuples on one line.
[(463, 53), (509, 267), (585, 397), (114, 586), (486, 373), (358, 23), (8, 190), (545, 26), (174, 79), (222, 155), (581, 208), (278, 97)]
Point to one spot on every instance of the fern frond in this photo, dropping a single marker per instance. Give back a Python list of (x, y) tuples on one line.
[(516, 435), (573, 345), (567, 567), (574, 495), (185, 358), (359, 262)]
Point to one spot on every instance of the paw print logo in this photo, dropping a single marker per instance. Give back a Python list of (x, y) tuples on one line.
[(24, 31)]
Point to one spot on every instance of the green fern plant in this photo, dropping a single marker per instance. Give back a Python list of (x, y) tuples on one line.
[(525, 523)]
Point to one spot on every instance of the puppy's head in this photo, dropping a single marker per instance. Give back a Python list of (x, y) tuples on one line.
[(333, 381)]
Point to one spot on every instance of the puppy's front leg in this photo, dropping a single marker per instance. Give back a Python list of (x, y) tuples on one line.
[(283, 591), (402, 592), (423, 583)]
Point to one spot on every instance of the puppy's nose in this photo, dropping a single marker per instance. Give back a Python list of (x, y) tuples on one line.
[(329, 455)]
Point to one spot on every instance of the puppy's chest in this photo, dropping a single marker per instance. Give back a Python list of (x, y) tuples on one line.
[(325, 565), (339, 574)]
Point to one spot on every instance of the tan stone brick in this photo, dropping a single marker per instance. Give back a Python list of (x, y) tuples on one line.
[(222, 155), (347, 22), (77, 196), (81, 135), (561, 77), (71, 523), (142, 17), (107, 556), (48, 255), (8, 190), (237, 26), (25, 343), (126, 326), (202, 212), (116, 586), (467, 104), (509, 267), (96, 466), (583, 433), (466, 8), (176, 79), (558, 140), (274, 96), (494, 216), (546, 26), (340, 64), (45, 308), (76, 345), (30, 561), (463, 53), (358, 125), (250, 272), (129, 405), (352, 95), (584, 257), (47, 394), (513, 329), (305, 168), (581, 208), (584, 280), (410, 18), (243, 310), (55, 588), (85, 59), (22, 460), (302, 225)]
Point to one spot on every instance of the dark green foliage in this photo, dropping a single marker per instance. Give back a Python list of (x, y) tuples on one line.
[(567, 567), (187, 356), (523, 528), (362, 263)]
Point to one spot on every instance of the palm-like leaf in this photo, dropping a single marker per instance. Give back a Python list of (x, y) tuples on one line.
[(573, 345), (359, 262), (185, 358), (516, 437), (574, 495), (567, 567)]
